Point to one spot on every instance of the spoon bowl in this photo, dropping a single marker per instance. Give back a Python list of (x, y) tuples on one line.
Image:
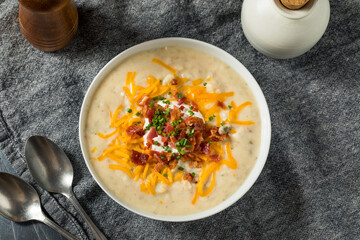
[(49, 165), (19, 201)]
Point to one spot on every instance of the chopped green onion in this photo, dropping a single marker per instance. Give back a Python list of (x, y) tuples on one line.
[(229, 106), (152, 105), (181, 168), (204, 83), (180, 95), (191, 113), (129, 110), (193, 174), (137, 114)]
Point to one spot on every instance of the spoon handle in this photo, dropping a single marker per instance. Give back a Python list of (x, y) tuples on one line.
[(97, 233), (57, 228)]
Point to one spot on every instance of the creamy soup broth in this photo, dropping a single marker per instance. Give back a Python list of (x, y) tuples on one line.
[(193, 64)]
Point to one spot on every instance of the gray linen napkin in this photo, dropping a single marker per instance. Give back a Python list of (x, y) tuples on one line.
[(309, 188)]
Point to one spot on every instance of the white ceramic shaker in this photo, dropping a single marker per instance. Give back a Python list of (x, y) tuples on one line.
[(282, 32)]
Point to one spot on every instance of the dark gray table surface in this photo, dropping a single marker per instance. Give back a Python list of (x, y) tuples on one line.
[(309, 188)]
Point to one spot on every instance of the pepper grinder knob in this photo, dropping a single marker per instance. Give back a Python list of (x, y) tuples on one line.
[(48, 25)]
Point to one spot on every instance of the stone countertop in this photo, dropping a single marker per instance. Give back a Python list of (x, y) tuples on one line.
[(309, 188)]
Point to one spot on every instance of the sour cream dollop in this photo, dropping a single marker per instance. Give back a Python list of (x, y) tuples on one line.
[(186, 110)]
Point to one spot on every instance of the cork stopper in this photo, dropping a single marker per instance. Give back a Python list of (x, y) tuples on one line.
[(294, 4)]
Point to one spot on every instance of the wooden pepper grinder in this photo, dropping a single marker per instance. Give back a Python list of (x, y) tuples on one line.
[(48, 25)]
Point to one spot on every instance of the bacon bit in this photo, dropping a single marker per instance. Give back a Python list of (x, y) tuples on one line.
[(174, 82), (139, 158), (196, 122), (168, 128), (148, 112), (188, 177), (181, 126), (180, 100), (214, 135), (205, 148), (156, 155), (144, 101), (196, 164), (221, 104), (198, 139), (215, 157), (135, 130), (182, 134), (165, 140), (173, 164), (181, 108), (151, 135), (158, 166), (174, 114), (194, 106), (172, 144)]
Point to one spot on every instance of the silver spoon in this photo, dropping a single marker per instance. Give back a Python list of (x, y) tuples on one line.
[(52, 170), (20, 202)]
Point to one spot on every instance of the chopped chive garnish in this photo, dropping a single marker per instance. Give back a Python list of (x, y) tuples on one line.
[(212, 117), (204, 83), (178, 157), (162, 157), (191, 113), (165, 175), (181, 168), (210, 142), (222, 124), (229, 106), (169, 93), (129, 110), (152, 105), (193, 174), (156, 142), (137, 114), (191, 108), (180, 95), (182, 152)]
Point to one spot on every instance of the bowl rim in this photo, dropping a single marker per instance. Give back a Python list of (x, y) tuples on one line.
[(223, 56)]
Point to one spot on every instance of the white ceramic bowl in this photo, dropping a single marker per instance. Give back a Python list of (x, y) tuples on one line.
[(225, 57)]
